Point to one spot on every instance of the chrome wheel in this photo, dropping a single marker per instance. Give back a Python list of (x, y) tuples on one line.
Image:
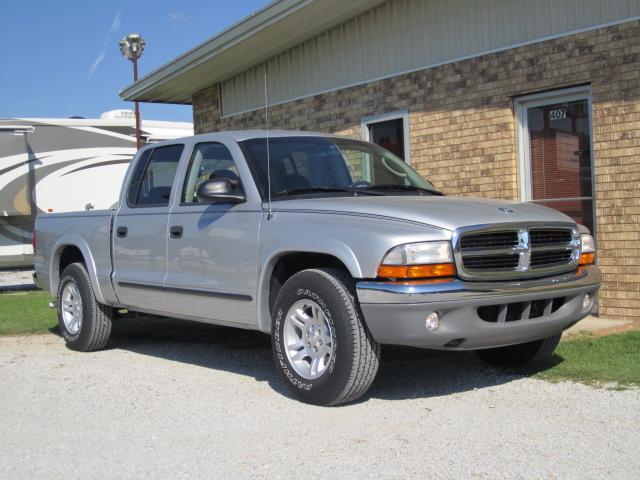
[(71, 308), (308, 339)]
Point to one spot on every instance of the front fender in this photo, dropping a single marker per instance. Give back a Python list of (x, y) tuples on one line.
[(269, 257), (358, 242)]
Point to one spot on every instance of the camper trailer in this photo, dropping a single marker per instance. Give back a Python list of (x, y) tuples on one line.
[(62, 165)]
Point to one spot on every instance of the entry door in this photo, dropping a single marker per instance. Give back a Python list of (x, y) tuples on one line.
[(140, 230), (212, 247), (556, 156)]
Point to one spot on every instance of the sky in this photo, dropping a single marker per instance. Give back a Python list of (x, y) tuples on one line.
[(61, 58)]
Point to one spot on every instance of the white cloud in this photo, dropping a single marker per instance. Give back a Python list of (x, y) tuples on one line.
[(177, 17), (94, 65), (115, 26)]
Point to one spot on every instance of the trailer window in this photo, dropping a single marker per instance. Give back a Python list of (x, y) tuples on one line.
[(153, 187)]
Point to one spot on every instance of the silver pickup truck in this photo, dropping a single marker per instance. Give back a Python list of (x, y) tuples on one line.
[(333, 246)]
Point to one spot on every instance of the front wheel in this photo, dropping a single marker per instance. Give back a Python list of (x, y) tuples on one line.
[(521, 354), (321, 346)]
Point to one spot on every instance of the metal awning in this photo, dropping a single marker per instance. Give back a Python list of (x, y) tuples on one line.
[(279, 26)]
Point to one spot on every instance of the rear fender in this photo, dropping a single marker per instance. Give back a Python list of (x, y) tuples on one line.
[(72, 240)]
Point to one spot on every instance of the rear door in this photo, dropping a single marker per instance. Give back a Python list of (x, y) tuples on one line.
[(212, 247), (140, 230)]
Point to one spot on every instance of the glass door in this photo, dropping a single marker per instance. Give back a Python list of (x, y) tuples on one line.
[(555, 152)]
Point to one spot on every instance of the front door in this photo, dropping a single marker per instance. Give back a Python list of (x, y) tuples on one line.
[(212, 247), (140, 230), (556, 157)]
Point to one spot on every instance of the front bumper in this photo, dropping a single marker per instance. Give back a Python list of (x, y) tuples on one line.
[(395, 312)]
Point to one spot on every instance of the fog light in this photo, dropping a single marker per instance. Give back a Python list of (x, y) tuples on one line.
[(587, 302), (432, 321)]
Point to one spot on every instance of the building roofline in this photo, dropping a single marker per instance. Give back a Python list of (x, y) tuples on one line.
[(209, 48), (263, 34)]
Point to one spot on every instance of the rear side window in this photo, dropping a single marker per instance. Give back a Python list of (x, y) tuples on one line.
[(153, 178)]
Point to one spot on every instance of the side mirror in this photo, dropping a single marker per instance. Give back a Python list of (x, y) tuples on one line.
[(219, 189)]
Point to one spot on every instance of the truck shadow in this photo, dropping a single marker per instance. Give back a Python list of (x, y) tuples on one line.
[(404, 372)]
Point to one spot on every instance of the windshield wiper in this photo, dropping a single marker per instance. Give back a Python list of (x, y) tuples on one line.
[(299, 191), (406, 188)]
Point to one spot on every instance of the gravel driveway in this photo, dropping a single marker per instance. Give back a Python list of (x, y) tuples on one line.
[(175, 400)]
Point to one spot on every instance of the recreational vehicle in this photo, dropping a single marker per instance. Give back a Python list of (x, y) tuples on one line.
[(62, 165)]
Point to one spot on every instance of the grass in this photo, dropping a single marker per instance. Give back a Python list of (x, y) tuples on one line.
[(598, 361), (26, 312)]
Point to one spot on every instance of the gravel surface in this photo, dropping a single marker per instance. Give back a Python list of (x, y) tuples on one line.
[(16, 279), (190, 401)]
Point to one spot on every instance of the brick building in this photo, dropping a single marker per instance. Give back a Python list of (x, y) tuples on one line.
[(523, 100)]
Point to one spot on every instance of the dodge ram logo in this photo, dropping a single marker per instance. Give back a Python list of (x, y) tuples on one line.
[(506, 210)]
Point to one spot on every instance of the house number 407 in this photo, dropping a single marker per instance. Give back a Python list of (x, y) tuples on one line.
[(558, 114)]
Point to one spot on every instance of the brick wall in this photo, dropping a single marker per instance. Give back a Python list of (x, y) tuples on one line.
[(463, 130)]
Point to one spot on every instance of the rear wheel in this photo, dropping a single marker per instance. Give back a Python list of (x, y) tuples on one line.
[(84, 322), (521, 354), (321, 346)]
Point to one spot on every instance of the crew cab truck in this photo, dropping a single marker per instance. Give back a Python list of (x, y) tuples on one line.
[(333, 246)]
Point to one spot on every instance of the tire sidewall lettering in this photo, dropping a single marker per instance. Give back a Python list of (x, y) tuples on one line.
[(281, 359)]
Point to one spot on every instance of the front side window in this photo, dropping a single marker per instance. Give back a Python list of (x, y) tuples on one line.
[(208, 162), (311, 165), (153, 187)]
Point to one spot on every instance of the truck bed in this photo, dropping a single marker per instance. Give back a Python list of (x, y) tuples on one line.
[(90, 232)]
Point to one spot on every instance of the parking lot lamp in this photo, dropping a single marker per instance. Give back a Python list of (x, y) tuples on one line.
[(132, 47)]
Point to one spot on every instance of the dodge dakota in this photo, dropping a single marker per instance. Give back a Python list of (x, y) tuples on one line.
[(333, 246)]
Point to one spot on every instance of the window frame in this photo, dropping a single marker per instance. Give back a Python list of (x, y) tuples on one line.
[(541, 99), (146, 166), (384, 117), (187, 172)]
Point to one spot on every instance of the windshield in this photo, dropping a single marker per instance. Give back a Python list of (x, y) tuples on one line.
[(330, 166)]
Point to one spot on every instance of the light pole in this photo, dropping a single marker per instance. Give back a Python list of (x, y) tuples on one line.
[(132, 47)]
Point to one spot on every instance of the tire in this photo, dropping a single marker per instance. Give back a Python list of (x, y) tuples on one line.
[(348, 356), (85, 326), (521, 354)]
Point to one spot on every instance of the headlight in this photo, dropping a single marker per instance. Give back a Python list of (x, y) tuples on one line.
[(588, 250), (418, 260)]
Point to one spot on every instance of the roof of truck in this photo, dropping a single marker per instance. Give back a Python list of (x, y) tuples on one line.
[(240, 135)]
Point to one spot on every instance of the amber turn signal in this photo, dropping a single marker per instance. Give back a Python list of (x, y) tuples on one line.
[(587, 258), (417, 271)]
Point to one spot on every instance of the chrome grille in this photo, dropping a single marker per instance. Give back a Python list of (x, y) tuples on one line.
[(546, 236), (539, 259), (516, 251), (489, 240), (492, 262)]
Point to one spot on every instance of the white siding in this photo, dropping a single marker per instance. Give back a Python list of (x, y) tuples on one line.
[(404, 35)]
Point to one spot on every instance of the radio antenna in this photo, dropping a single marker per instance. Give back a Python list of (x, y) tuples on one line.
[(266, 121)]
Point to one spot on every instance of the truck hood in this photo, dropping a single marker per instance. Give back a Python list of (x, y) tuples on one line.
[(442, 212)]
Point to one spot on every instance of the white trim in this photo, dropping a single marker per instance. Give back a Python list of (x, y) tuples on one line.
[(403, 114), (102, 122), (426, 67), (522, 131), (17, 128)]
